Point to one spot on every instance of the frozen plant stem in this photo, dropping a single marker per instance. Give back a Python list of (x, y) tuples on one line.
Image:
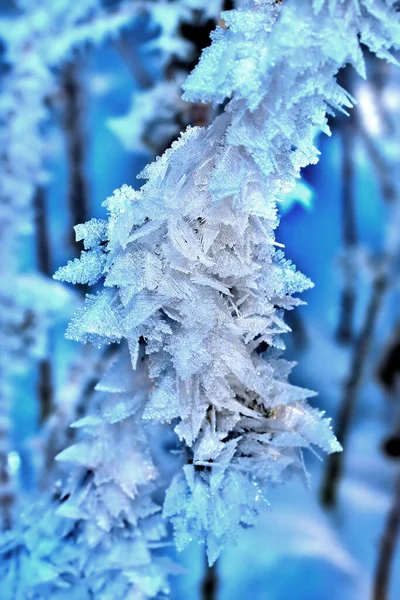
[(387, 547), (344, 332), (360, 353)]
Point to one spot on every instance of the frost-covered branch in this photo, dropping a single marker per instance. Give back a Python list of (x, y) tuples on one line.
[(194, 277), (190, 262)]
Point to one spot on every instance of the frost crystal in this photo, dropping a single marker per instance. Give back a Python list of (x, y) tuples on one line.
[(192, 268)]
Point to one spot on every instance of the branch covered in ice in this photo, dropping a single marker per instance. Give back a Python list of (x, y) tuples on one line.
[(191, 266)]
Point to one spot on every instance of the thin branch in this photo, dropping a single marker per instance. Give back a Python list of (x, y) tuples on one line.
[(361, 349), (299, 330), (45, 388), (387, 547), (349, 221), (352, 387), (43, 249), (78, 196)]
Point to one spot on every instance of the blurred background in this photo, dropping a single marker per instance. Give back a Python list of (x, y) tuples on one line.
[(86, 102)]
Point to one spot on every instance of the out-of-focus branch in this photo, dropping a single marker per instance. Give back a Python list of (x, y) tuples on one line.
[(387, 547), (299, 330), (360, 353), (45, 387), (76, 144), (382, 169), (349, 221), (134, 61), (388, 376)]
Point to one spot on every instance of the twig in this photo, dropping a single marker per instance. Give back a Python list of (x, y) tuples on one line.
[(387, 547)]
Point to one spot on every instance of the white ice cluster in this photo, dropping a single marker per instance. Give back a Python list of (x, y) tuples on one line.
[(192, 270)]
